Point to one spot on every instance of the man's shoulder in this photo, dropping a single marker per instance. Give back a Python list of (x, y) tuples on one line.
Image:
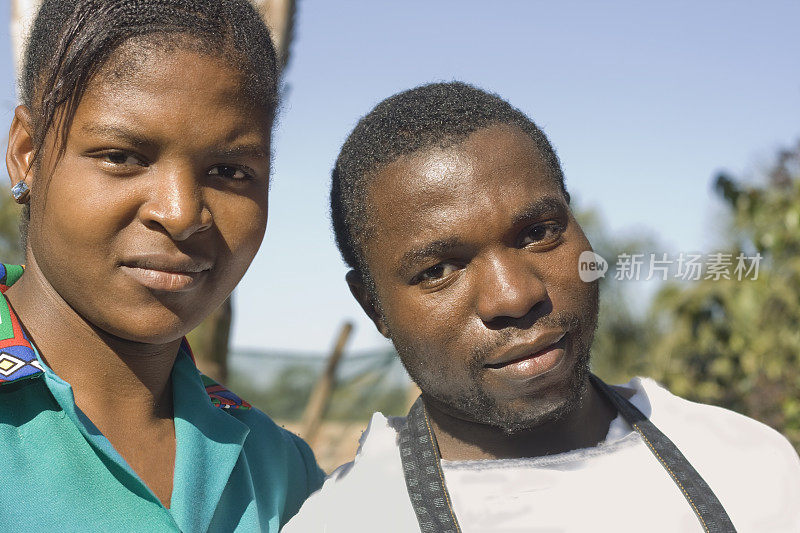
[(377, 457), (689, 421), (753, 469), (368, 490)]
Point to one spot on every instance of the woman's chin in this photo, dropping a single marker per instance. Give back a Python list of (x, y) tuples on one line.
[(149, 328)]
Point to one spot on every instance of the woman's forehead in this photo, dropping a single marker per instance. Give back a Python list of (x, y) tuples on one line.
[(171, 91), (138, 55)]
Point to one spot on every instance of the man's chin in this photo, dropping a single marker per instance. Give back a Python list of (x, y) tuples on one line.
[(516, 422), (517, 416)]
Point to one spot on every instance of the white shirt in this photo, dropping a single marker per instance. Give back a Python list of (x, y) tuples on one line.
[(616, 486)]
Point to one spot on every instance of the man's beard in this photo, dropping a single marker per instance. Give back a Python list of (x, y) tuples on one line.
[(475, 404)]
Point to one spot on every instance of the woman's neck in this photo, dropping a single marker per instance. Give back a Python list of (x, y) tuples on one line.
[(109, 376)]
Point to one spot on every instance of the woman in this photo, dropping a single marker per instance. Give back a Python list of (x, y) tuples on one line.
[(142, 154)]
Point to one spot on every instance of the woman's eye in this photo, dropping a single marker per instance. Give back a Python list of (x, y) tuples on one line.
[(122, 159), (542, 234), (436, 272), (228, 172)]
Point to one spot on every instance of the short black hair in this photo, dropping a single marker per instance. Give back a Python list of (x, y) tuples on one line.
[(433, 115), (71, 40)]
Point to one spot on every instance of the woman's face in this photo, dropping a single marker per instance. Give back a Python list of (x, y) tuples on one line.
[(159, 202)]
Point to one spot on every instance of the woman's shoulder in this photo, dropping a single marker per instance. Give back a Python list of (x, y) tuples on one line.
[(262, 428), (267, 443)]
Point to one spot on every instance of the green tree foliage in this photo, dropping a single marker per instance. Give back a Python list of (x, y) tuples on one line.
[(619, 351), (737, 343)]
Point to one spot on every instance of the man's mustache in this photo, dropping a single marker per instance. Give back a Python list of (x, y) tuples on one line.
[(509, 336)]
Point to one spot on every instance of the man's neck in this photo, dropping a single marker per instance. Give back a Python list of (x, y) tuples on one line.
[(585, 426), (108, 375)]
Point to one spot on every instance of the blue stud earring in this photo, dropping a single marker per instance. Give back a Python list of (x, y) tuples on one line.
[(20, 192)]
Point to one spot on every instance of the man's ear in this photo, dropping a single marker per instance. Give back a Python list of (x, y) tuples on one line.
[(19, 156), (365, 300)]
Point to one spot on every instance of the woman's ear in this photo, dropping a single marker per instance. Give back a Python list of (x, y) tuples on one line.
[(19, 156), (366, 301)]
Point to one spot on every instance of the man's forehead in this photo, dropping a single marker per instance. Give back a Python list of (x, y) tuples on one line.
[(485, 163)]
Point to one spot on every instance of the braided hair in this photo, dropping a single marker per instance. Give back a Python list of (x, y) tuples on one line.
[(71, 40)]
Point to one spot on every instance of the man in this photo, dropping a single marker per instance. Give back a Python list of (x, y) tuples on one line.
[(450, 208)]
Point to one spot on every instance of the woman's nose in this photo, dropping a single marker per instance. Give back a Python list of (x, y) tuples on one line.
[(175, 204)]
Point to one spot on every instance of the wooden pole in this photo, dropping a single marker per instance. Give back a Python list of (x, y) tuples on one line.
[(22, 13), (412, 394), (321, 394)]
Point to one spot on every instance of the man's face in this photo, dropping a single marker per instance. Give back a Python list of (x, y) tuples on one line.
[(474, 254)]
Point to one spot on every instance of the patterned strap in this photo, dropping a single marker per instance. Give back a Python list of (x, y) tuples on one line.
[(423, 472), (702, 499)]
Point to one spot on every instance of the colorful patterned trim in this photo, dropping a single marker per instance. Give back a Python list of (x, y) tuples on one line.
[(18, 359), (9, 274), (220, 396)]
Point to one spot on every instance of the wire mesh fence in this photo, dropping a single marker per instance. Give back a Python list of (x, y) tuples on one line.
[(280, 384)]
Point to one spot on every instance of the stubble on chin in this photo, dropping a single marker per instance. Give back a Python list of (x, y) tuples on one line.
[(471, 402)]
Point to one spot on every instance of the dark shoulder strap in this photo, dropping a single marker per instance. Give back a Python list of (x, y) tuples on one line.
[(701, 498), (423, 472), (422, 469)]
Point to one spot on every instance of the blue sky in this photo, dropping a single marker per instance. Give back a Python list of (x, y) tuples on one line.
[(643, 102)]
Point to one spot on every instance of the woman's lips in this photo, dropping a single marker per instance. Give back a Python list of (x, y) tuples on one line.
[(161, 280)]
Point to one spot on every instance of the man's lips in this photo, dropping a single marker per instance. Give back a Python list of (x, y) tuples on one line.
[(165, 272), (524, 361)]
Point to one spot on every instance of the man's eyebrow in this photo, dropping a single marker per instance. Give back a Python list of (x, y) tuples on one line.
[(541, 208), (436, 248)]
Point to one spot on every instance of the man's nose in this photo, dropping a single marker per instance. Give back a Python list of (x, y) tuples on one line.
[(509, 287), (175, 204)]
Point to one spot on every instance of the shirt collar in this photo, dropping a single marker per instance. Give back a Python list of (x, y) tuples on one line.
[(19, 360)]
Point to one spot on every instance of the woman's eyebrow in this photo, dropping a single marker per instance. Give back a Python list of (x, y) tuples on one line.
[(118, 131), (254, 150)]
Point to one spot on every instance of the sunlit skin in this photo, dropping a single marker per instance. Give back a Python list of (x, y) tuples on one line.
[(474, 253), (138, 231)]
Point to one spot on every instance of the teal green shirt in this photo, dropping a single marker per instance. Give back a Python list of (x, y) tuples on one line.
[(235, 469)]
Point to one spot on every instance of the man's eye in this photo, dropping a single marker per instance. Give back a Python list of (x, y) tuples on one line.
[(436, 272), (542, 234), (229, 172)]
